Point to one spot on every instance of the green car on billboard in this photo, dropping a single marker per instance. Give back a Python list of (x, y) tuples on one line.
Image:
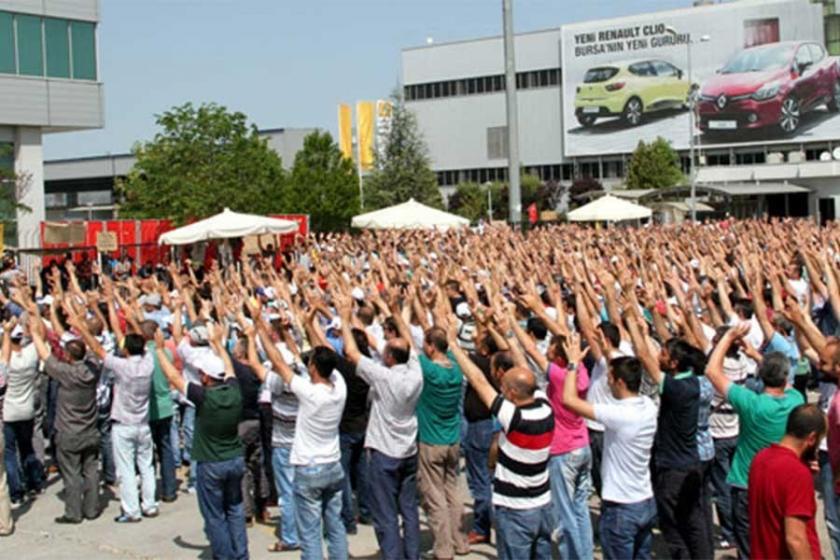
[(630, 90)]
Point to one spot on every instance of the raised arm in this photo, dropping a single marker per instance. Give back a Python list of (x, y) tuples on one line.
[(714, 368), (217, 343), (485, 391), (176, 380), (571, 398)]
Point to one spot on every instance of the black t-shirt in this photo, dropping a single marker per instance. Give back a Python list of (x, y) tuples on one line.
[(249, 385), (675, 445), (474, 408), (355, 416)]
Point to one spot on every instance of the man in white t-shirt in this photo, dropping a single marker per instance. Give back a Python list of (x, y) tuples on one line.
[(316, 454), (629, 511)]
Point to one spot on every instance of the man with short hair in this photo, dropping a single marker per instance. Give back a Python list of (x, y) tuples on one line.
[(217, 449), (131, 435), (762, 420), (782, 506), (77, 439), (161, 411), (439, 429), (316, 454), (391, 437), (521, 489), (628, 509)]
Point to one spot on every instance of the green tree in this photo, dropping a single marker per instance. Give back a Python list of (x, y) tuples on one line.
[(204, 159), (654, 166), (470, 201), (324, 184), (403, 171)]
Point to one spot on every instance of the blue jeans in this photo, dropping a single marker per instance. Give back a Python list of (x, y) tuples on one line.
[(284, 480), (219, 489), (188, 423), (394, 494), (476, 449), (109, 470), (162, 436), (831, 504), (175, 436), (317, 492), (354, 464), (524, 533), (28, 473), (626, 530), (571, 484), (724, 451)]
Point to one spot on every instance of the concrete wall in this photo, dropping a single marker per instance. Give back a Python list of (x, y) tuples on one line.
[(455, 128), (287, 142), (480, 57), (29, 165), (53, 104), (87, 10)]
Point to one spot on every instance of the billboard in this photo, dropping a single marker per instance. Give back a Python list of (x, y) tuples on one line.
[(754, 72)]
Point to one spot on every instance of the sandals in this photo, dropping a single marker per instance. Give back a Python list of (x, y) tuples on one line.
[(280, 546)]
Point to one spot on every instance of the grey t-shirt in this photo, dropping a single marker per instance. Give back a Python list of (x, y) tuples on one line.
[(394, 392)]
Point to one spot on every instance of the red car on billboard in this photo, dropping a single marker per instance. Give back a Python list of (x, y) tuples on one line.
[(771, 85)]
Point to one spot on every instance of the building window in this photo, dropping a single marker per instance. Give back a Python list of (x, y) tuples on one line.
[(83, 39), (717, 159), (51, 47), (497, 147), (55, 200), (94, 198), (760, 32), (7, 43), (30, 46), (56, 32)]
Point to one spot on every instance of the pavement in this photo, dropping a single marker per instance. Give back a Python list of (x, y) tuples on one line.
[(177, 533)]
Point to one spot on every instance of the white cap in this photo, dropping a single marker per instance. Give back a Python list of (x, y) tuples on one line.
[(210, 365), (358, 293), (17, 332), (334, 324), (462, 310)]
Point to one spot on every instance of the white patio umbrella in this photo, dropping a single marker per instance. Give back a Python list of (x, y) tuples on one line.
[(409, 215), (225, 225), (609, 209)]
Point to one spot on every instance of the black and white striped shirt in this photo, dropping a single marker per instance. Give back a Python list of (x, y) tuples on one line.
[(521, 477)]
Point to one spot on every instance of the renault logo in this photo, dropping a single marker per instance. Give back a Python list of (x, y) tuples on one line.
[(721, 101)]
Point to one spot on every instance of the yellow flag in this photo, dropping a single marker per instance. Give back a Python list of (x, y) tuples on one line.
[(364, 127), (345, 133)]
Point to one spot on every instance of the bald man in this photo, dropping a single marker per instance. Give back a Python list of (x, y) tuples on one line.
[(391, 437), (521, 490)]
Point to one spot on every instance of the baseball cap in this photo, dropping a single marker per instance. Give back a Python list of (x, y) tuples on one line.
[(462, 310), (199, 335), (151, 299), (210, 365)]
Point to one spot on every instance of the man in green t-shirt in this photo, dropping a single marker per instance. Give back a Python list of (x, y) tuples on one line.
[(439, 435), (161, 411), (217, 448), (762, 417)]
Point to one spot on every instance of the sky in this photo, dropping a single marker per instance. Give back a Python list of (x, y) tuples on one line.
[(284, 63)]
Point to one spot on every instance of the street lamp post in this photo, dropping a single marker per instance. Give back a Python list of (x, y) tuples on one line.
[(514, 195), (692, 106)]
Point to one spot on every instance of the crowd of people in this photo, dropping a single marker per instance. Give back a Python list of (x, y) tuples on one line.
[(659, 376)]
